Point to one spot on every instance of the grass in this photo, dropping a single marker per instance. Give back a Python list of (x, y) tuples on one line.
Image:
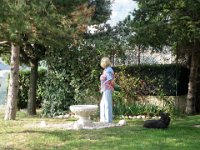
[(15, 135)]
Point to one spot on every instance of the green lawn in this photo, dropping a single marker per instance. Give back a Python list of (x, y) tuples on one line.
[(181, 135)]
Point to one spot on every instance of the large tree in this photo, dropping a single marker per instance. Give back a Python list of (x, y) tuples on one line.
[(48, 23), (13, 83), (72, 72), (31, 55), (174, 24)]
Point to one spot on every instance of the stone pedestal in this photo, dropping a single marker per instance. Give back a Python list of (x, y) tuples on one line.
[(83, 112)]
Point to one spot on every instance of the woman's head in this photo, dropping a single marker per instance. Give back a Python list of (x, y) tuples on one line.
[(105, 62)]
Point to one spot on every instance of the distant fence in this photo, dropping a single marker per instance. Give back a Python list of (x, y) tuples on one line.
[(132, 57)]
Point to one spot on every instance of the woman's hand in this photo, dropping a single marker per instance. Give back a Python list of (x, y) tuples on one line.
[(103, 77)]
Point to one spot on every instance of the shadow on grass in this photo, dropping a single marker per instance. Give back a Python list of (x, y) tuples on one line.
[(180, 135)]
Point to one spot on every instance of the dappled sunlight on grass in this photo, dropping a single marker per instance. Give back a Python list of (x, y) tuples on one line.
[(181, 134)]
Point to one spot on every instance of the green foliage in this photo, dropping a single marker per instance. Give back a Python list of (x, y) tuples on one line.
[(140, 107), (58, 94), (71, 73), (102, 10), (42, 26), (54, 26), (47, 22), (128, 85), (126, 101), (170, 80), (139, 81), (121, 107), (173, 24), (109, 42), (24, 81), (73, 69)]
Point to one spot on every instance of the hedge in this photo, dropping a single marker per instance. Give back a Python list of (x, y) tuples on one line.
[(170, 79)]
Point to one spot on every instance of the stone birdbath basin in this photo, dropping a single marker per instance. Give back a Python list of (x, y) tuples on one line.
[(83, 112)]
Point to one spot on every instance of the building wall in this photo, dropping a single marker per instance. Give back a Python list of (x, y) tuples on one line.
[(178, 101)]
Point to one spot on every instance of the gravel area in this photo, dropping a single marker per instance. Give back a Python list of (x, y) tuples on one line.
[(74, 125)]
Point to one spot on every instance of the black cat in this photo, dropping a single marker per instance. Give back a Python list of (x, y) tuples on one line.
[(162, 123)]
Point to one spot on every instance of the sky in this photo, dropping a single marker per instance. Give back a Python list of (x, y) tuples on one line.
[(120, 10)]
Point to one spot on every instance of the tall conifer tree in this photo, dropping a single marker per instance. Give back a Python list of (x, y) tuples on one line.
[(50, 23)]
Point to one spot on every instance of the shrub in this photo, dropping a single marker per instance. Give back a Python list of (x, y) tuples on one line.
[(72, 72), (122, 108), (142, 80), (59, 95), (172, 80), (24, 81)]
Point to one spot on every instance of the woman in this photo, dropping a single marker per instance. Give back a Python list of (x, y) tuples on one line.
[(107, 87)]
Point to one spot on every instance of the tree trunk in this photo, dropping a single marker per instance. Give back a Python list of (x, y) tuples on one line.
[(13, 89), (192, 85), (32, 88), (139, 53), (198, 90)]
